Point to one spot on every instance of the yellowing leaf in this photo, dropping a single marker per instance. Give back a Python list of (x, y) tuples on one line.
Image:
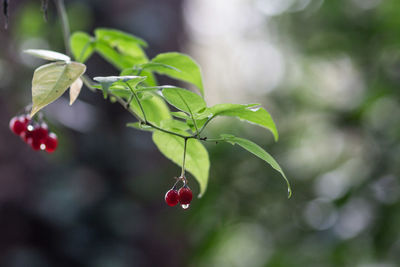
[(50, 81), (48, 55), (74, 90)]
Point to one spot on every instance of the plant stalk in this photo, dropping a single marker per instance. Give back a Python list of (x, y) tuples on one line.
[(64, 24)]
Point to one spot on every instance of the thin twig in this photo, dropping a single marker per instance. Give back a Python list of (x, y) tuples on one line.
[(64, 23)]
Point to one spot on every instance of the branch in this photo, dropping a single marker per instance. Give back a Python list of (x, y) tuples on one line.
[(64, 24)]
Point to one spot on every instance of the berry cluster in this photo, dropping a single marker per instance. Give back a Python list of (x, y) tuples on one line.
[(183, 195), (35, 134)]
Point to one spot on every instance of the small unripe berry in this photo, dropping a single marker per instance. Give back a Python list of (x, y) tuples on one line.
[(185, 195), (171, 197)]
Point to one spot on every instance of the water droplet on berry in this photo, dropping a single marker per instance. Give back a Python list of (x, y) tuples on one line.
[(185, 206), (30, 127), (42, 146)]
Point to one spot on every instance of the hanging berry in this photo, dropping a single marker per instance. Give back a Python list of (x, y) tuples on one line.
[(35, 134), (183, 196)]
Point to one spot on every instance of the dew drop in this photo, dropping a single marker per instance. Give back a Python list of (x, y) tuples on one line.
[(42, 146), (185, 206), (30, 128)]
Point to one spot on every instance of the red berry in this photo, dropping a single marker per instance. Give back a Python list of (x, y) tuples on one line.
[(171, 197), (35, 144), (51, 142), (17, 125), (185, 195), (40, 133), (26, 136)]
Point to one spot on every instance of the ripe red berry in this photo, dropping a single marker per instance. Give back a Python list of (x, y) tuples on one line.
[(40, 133), (51, 142), (171, 197), (185, 195), (18, 125), (26, 136)]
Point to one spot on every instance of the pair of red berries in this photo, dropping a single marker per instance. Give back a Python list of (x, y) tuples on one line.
[(34, 134), (183, 196)]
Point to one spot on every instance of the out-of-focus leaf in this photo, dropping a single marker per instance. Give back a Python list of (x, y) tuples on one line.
[(82, 46), (121, 49), (48, 55), (74, 90)]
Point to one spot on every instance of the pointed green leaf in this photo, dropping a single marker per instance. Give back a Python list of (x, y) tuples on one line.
[(82, 46), (48, 55), (248, 113), (259, 152), (158, 67), (50, 81), (174, 125), (197, 160), (118, 60), (119, 82), (140, 126), (115, 37), (180, 115), (184, 100), (186, 69)]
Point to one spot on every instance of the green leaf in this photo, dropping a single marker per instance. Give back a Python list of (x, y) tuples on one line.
[(186, 69), (113, 79), (155, 108), (174, 125), (197, 160), (259, 152), (140, 126), (199, 123), (158, 67), (82, 46), (116, 37), (121, 49), (48, 55), (151, 79), (118, 60), (248, 113), (184, 100), (50, 81), (180, 115), (119, 81)]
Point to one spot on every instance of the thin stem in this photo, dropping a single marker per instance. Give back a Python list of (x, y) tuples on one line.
[(184, 158), (205, 124), (138, 101), (64, 24)]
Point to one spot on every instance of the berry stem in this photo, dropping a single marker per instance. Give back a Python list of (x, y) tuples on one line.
[(64, 23), (137, 100), (184, 158)]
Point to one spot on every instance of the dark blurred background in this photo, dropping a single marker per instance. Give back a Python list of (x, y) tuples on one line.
[(328, 72)]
